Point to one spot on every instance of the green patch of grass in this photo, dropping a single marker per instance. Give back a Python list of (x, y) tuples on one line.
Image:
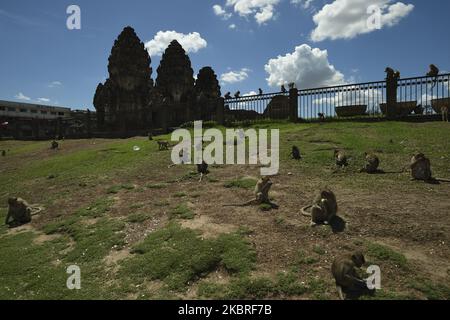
[(243, 183), (97, 209), (182, 212), (319, 250), (387, 254), (117, 189), (178, 256), (432, 291), (318, 289), (265, 207), (302, 258), (236, 255), (138, 217)]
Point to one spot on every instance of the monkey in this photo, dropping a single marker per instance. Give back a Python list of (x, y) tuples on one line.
[(323, 209), (3, 153), (421, 169), (344, 271), (181, 155), (341, 158), (54, 145), (321, 117), (202, 169), (419, 110), (260, 92), (228, 96), (292, 85), (150, 136), (237, 95), (444, 112), (163, 145), (391, 74), (296, 153), (283, 89), (261, 193), (372, 163), (433, 72), (20, 212)]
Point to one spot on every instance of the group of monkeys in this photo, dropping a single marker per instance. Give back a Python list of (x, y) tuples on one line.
[(237, 95)]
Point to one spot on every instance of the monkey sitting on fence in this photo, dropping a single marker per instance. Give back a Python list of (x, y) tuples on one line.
[(434, 73), (228, 96), (20, 212), (237, 95)]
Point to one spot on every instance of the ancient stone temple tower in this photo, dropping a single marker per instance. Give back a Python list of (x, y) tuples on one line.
[(122, 102), (175, 86), (208, 93)]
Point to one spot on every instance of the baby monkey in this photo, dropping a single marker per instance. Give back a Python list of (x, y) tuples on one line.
[(323, 209), (344, 270), (372, 163)]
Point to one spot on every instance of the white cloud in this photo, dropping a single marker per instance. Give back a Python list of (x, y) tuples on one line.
[(305, 4), (234, 76), (191, 42), (232, 26), (262, 10), (43, 100), (21, 96), (346, 19), (219, 11), (307, 67), (55, 84)]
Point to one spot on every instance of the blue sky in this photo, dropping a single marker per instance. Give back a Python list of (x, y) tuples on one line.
[(41, 59)]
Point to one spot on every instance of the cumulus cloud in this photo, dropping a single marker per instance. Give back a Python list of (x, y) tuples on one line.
[(221, 12), (192, 42), (262, 10), (346, 19), (306, 67), (232, 26), (234, 76), (21, 96)]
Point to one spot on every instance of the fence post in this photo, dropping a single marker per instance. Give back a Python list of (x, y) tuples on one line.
[(293, 105), (391, 95), (220, 110)]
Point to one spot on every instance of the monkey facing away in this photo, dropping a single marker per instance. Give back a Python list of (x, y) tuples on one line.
[(341, 158), (260, 92), (283, 89), (323, 209), (237, 95), (344, 270), (296, 153), (372, 163), (228, 96), (20, 212), (434, 73), (421, 169), (261, 194), (391, 74)]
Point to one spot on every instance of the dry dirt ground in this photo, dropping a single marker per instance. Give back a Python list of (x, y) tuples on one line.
[(387, 216)]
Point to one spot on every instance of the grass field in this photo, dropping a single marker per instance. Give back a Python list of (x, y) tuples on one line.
[(140, 230)]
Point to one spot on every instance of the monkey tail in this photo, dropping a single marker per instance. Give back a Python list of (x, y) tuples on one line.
[(442, 180), (35, 210), (245, 204), (306, 213)]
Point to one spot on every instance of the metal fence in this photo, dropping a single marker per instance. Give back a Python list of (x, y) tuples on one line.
[(419, 96)]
